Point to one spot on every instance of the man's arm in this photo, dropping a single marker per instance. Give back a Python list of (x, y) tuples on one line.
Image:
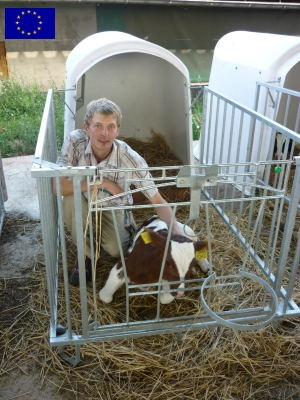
[(164, 213), (67, 186)]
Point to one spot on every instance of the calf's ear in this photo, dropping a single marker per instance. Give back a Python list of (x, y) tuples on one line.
[(201, 249), (154, 238)]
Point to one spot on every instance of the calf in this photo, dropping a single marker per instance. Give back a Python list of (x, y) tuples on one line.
[(279, 145), (144, 258)]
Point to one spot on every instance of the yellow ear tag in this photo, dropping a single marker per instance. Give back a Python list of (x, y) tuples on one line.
[(146, 237), (201, 254)]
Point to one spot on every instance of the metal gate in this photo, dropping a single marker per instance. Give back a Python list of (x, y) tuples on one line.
[(283, 106), (242, 195)]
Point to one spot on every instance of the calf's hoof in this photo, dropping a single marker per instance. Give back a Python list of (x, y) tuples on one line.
[(166, 298), (105, 297), (203, 264)]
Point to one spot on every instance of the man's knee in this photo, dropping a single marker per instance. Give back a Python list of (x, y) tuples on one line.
[(112, 248)]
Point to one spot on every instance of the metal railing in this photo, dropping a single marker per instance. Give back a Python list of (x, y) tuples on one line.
[(238, 191)]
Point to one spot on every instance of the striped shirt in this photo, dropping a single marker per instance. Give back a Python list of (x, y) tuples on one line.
[(77, 152)]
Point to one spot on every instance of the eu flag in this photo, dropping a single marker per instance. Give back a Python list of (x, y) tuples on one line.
[(30, 23)]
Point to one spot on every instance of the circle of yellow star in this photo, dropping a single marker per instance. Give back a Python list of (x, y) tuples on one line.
[(33, 32)]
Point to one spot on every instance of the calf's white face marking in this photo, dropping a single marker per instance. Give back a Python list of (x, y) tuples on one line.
[(182, 254)]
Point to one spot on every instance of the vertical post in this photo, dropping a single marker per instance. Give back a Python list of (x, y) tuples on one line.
[(80, 254), (64, 256), (48, 213), (288, 230)]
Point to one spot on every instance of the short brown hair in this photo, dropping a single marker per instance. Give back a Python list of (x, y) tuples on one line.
[(102, 106)]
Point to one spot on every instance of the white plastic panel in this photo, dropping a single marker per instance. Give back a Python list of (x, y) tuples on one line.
[(149, 83)]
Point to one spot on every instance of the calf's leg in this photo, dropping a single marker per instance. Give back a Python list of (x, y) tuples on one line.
[(166, 298), (112, 285)]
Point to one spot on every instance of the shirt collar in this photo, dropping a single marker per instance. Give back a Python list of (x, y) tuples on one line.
[(89, 152), (112, 153), (88, 149)]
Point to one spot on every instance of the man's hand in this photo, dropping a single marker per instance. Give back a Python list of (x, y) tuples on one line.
[(165, 213), (110, 187)]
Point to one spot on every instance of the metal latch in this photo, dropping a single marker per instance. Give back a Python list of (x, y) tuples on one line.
[(196, 182)]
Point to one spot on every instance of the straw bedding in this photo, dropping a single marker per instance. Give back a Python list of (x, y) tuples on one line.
[(209, 364)]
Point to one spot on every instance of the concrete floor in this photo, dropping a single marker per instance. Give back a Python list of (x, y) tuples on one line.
[(21, 188)]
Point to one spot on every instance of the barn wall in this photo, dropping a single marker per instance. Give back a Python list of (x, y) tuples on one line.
[(44, 60), (191, 33)]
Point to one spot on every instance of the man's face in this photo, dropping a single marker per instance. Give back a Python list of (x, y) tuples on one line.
[(102, 131)]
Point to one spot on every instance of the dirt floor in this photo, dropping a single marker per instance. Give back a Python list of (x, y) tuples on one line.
[(27, 376), (21, 255), (21, 259)]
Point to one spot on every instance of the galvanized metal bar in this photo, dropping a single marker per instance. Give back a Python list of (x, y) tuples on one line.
[(171, 327), (288, 231), (80, 254), (279, 89), (123, 263), (297, 119), (223, 131), (215, 133), (49, 225), (209, 126), (94, 257), (287, 109), (64, 256), (293, 276), (251, 206), (257, 96), (208, 237), (227, 158), (236, 167), (203, 129), (164, 261)]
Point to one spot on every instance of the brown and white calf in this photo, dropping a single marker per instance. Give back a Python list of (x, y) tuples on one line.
[(144, 259)]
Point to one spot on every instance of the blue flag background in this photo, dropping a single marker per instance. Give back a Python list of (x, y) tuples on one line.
[(29, 23)]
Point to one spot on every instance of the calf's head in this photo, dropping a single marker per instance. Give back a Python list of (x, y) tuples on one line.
[(181, 256)]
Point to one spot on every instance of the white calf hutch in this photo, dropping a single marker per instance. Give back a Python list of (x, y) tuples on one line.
[(260, 71), (149, 83), (239, 196)]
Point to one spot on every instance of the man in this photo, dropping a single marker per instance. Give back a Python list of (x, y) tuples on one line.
[(96, 145)]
